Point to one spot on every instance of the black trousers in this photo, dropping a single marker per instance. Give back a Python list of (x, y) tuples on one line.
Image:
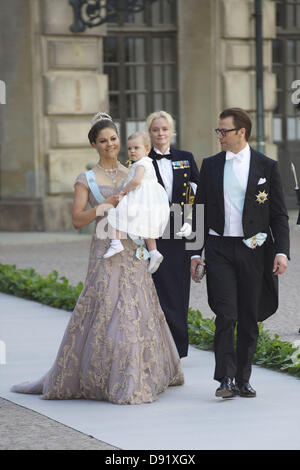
[(234, 282), (172, 282)]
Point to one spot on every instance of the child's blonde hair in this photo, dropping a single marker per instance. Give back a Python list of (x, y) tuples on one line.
[(144, 136)]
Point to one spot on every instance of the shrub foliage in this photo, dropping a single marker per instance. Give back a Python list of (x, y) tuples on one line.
[(57, 292)]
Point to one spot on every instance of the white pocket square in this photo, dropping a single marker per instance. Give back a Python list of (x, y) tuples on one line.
[(262, 180), (258, 239)]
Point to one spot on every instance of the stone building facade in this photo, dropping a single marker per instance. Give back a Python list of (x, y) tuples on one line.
[(56, 80)]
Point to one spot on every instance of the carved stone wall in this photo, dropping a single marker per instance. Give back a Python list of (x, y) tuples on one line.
[(237, 45), (217, 68), (56, 85)]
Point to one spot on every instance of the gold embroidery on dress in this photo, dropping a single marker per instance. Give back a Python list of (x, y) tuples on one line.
[(117, 345)]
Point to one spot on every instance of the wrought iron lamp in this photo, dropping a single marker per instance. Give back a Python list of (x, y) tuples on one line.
[(91, 13)]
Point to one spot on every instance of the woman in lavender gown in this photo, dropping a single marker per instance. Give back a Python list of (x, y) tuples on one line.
[(117, 345)]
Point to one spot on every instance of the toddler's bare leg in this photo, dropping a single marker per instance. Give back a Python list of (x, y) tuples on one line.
[(151, 244), (117, 235)]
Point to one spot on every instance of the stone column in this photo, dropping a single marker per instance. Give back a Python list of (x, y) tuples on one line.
[(216, 50), (55, 85), (198, 74), (238, 62), (18, 171)]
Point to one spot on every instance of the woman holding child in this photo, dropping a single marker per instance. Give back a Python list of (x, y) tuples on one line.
[(117, 345)]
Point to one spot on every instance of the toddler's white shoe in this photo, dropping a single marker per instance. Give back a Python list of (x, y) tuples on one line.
[(113, 250), (185, 231), (155, 260)]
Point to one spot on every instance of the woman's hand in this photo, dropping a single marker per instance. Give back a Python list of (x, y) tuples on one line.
[(81, 216), (109, 203), (121, 195), (112, 200), (185, 231)]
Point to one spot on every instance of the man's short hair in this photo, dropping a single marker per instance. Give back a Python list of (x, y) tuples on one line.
[(240, 119)]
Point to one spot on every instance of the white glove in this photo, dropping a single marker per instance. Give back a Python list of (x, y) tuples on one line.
[(185, 231)]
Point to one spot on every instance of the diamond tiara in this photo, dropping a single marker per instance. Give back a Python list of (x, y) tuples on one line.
[(100, 117)]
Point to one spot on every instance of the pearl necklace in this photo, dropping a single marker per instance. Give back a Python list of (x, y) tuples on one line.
[(111, 172)]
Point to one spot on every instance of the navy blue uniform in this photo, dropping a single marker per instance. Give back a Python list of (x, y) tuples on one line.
[(172, 279)]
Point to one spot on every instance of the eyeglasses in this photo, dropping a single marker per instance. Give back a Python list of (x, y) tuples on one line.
[(223, 132)]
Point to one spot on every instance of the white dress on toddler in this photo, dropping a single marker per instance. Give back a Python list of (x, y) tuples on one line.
[(143, 212)]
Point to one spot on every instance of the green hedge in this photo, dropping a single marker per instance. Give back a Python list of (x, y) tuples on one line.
[(51, 290), (270, 352), (57, 292)]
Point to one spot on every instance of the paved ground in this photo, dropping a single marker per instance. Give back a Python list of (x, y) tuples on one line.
[(68, 254), (187, 417), (25, 429)]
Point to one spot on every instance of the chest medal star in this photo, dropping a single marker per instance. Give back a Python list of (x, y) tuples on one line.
[(261, 197)]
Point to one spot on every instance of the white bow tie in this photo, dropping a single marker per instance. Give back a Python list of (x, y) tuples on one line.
[(231, 156)]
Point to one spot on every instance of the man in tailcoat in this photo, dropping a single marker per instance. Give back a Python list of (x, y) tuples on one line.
[(246, 247)]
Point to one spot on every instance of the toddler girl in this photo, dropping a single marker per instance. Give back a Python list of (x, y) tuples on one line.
[(143, 210)]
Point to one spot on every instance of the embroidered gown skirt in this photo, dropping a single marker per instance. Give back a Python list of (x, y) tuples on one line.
[(117, 345)]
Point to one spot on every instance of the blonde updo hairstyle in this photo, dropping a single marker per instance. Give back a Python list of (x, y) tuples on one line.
[(160, 114)]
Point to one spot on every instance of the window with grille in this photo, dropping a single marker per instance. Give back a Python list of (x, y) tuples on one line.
[(140, 59), (286, 65)]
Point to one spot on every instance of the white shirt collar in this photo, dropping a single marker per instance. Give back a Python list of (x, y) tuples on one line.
[(240, 155), (167, 152)]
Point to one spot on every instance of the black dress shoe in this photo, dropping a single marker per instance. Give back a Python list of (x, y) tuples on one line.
[(245, 390), (236, 389), (226, 389)]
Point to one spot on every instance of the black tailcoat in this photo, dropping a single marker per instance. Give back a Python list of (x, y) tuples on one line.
[(241, 286), (172, 279), (270, 216)]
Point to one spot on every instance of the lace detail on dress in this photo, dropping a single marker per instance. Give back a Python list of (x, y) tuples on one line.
[(81, 178), (117, 345)]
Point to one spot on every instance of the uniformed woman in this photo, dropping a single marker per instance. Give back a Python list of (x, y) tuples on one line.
[(175, 170)]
